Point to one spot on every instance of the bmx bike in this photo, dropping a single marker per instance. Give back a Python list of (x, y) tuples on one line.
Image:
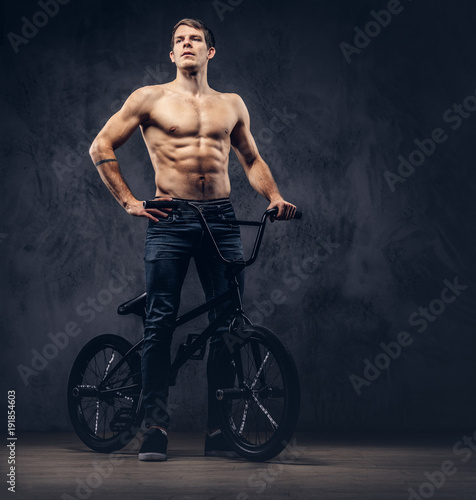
[(257, 402)]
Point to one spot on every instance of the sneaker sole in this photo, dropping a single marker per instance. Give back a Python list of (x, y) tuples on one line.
[(153, 457)]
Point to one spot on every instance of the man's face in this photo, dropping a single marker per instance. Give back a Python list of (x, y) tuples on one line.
[(190, 48)]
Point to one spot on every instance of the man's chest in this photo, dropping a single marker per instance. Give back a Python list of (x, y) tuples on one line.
[(211, 117)]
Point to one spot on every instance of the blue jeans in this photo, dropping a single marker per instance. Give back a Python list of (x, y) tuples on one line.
[(170, 243)]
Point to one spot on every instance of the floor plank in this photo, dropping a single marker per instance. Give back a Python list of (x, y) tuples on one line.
[(327, 467)]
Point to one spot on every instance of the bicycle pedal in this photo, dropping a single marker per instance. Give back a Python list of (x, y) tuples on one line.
[(121, 420), (199, 355)]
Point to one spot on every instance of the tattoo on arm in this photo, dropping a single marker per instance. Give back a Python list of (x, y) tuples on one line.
[(104, 161)]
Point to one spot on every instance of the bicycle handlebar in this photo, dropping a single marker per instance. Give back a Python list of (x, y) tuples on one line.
[(159, 204), (274, 211)]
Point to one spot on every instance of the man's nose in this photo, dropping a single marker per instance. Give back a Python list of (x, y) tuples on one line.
[(187, 43)]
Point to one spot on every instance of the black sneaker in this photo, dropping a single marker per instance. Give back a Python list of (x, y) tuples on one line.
[(154, 445), (217, 446)]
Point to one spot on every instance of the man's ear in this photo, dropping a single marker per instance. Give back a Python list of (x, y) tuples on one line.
[(211, 52), (172, 58)]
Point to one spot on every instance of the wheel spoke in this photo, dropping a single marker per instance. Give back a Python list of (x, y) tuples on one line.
[(97, 418), (260, 370), (243, 420), (256, 350), (109, 364), (102, 421), (263, 409), (263, 412)]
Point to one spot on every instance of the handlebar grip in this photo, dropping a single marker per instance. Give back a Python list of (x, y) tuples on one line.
[(274, 211)]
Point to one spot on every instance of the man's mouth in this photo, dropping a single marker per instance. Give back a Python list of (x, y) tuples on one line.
[(188, 54)]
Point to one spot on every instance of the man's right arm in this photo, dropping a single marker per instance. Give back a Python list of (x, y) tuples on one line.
[(115, 133)]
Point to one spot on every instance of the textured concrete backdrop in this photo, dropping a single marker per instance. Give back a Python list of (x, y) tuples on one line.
[(337, 92)]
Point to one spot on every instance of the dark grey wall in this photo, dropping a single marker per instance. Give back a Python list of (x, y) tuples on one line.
[(349, 275)]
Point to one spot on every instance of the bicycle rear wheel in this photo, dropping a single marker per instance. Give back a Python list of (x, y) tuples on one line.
[(258, 394), (104, 401)]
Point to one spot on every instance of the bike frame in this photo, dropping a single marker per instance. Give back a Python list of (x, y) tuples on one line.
[(233, 310)]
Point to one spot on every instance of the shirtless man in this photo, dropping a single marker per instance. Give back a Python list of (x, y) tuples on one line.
[(188, 129)]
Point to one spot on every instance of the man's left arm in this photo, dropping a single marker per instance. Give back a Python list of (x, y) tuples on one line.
[(258, 173)]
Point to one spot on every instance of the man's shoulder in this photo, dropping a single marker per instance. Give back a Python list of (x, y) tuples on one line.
[(149, 92), (232, 99), (143, 99), (229, 96)]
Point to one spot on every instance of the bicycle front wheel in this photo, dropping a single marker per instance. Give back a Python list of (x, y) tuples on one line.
[(104, 393), (257, 393)]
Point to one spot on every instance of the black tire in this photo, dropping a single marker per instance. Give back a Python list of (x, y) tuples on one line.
[(105, 421), (258, 393)]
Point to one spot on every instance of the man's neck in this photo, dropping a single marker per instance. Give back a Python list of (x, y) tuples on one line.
[(194, 83)]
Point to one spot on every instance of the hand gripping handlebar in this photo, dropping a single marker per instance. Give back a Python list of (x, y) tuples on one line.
[(159, 204)]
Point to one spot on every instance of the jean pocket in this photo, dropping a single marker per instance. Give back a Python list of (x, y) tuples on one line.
[(164, 220), (230, 218)]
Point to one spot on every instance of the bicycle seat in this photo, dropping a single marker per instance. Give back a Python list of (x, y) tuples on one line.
[(133, 306)]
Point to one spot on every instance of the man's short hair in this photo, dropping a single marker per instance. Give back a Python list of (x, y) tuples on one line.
[(198, 25)]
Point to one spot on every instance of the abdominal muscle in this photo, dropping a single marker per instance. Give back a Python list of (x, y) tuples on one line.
[(191, 168), (189, 184)]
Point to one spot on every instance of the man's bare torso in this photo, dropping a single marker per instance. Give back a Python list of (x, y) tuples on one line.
[(188, 139), (188, 129)]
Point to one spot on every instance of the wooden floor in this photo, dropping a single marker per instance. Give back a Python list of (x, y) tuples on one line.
[(59, 466)]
